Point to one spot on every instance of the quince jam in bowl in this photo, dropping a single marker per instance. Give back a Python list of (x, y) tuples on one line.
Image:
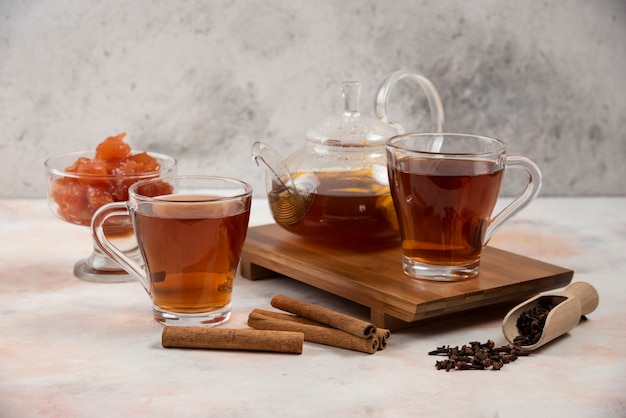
[(79, 183)]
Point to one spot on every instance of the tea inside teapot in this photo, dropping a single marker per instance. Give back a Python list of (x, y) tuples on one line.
[(345, 206)]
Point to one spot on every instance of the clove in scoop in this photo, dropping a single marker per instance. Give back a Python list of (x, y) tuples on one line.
[(531, 322)]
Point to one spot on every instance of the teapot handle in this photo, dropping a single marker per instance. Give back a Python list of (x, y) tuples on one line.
[(432, 95)]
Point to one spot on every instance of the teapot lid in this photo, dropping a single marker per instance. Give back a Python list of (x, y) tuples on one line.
[(351, 128)]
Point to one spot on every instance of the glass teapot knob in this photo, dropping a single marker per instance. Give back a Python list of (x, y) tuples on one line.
[(351, 91), (351, 128)]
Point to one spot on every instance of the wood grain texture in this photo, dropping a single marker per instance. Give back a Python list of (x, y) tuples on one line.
[(374, 278)]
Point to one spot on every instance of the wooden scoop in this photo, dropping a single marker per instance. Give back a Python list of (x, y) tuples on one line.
[(577, 299)]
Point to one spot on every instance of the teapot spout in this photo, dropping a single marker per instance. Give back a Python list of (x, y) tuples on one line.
[(287, 203), (276, 169)]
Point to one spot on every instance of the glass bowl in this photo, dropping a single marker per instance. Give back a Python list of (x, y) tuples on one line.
[(74, 197)]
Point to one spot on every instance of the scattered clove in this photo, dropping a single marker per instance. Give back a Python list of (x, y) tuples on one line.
[(476, 356)]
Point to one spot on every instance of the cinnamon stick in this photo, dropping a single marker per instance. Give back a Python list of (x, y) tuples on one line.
[(287, 317), (349, 324), (383, 335), (232, 339), (315, 333)]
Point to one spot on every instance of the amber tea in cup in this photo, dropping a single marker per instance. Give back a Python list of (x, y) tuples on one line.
[(190, 230), (445, 188)]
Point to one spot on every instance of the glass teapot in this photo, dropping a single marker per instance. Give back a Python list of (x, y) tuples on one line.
[(335, 189)]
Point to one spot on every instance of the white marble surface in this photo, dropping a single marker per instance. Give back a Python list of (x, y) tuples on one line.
[(70, 348), (201, 80)]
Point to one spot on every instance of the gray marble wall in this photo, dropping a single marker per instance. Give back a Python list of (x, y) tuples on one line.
[(201, 80)]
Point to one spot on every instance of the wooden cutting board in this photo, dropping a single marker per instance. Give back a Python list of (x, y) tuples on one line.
[(375, 278)]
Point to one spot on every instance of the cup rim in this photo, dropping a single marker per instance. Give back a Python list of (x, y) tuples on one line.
[(394, 142), (54, 166), (132, 190)]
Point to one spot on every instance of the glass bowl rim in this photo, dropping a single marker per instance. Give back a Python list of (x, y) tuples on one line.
[(166, 162)]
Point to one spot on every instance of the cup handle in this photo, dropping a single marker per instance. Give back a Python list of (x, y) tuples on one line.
[(528, 195), (432, 95), (107, 211)]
